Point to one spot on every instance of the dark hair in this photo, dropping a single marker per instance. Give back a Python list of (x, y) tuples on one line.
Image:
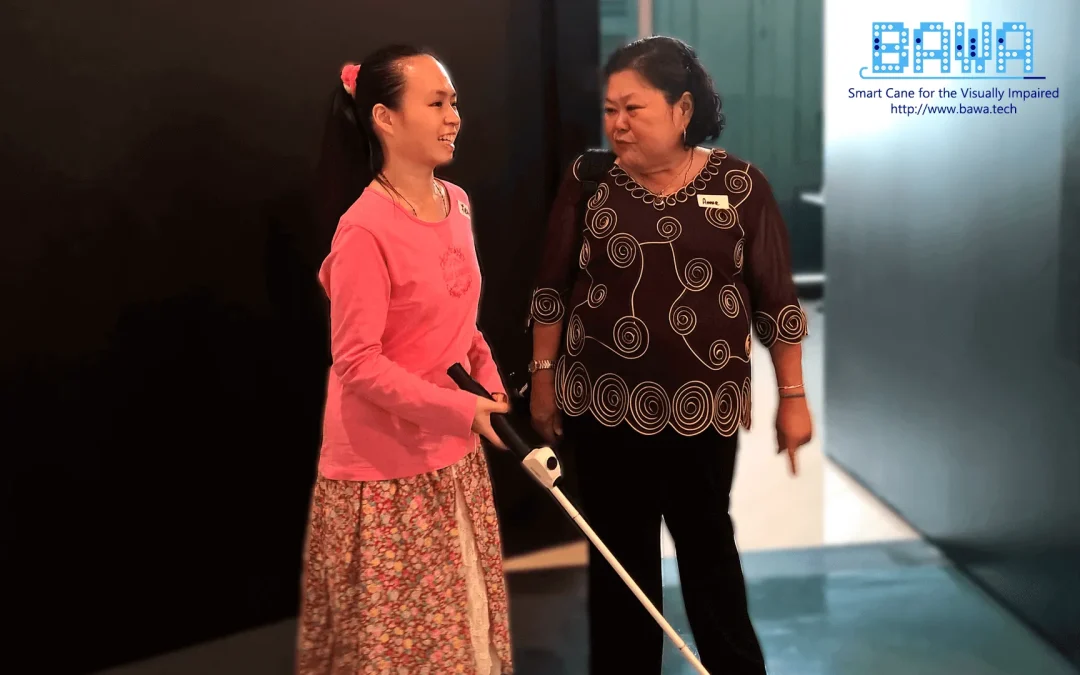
[(352, 155), (672, 66)]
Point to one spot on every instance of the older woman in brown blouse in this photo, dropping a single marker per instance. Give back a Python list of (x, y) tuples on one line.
[(682, 256)]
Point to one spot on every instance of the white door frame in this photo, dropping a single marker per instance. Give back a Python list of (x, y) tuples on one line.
[(645, 18)]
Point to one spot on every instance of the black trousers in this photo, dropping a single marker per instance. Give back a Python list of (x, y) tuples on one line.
[(627, 482)]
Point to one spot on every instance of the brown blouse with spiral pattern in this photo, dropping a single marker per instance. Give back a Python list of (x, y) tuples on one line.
[(666, 294)]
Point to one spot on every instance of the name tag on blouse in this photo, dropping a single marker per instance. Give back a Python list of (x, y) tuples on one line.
[(712, 201)]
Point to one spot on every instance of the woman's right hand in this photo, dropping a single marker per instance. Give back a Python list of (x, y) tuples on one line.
[(546, 419), (485, 407)]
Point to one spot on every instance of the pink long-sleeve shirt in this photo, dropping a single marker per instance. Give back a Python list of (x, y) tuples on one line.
[(403, 307)]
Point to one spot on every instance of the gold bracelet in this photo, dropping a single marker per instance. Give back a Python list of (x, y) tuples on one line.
[(791, 386)]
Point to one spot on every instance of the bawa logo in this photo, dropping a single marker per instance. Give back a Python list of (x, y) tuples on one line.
[(900, 51)]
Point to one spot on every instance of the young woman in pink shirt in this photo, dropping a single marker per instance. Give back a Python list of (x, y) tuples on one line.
[(402, 565)]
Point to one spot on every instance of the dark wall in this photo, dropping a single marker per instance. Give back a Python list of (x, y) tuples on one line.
[(164, 349), (551, 107), (953, 377)]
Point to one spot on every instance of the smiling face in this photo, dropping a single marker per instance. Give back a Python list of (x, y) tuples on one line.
[(424, 129), (641, 126)]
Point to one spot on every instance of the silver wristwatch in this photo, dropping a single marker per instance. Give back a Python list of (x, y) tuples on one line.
[(542, 364)]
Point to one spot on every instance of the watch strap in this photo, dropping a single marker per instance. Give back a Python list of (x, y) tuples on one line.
[(541, 364)]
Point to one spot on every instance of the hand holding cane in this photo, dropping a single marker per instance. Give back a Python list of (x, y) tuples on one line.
[(544, 467)]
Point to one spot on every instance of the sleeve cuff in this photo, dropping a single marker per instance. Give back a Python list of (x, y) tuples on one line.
[(488, 377), (494, 385), (547, 306), (788, 325), (464, 409)]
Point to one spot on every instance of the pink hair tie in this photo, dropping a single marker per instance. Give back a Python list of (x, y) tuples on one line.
[(348, 77)]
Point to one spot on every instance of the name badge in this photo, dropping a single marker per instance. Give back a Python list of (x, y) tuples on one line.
[(464, 209), (712, 201)]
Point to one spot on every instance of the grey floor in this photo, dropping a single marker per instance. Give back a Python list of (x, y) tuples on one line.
[(879, 609)]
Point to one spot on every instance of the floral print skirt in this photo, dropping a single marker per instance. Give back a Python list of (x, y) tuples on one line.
[(405, 576)]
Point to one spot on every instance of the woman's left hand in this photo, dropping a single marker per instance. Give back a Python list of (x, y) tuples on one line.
[(794, 428)]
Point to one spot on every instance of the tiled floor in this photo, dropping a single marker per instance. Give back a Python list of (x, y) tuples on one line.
[(881, 609), (884, 609)]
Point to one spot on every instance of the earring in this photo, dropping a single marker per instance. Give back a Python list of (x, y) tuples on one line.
[(684, 137)]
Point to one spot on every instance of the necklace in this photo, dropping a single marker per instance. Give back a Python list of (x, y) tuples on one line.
[(686, 171), (435, 186)]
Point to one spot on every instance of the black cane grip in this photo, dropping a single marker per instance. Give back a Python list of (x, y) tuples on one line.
[(501, 423)]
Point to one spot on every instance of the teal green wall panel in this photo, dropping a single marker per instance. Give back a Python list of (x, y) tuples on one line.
[(766, 59), (618, 25)]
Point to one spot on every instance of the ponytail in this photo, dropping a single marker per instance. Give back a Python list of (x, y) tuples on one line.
[(344, 168), (352, 155)]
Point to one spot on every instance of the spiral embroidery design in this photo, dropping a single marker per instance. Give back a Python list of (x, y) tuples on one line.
[(647, 406)]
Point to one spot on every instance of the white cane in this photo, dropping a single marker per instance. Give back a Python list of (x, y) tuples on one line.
[(544, 467)]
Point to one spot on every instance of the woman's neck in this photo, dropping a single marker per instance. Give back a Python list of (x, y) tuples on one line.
[(666, 173), (415, 186), (413, 181)]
